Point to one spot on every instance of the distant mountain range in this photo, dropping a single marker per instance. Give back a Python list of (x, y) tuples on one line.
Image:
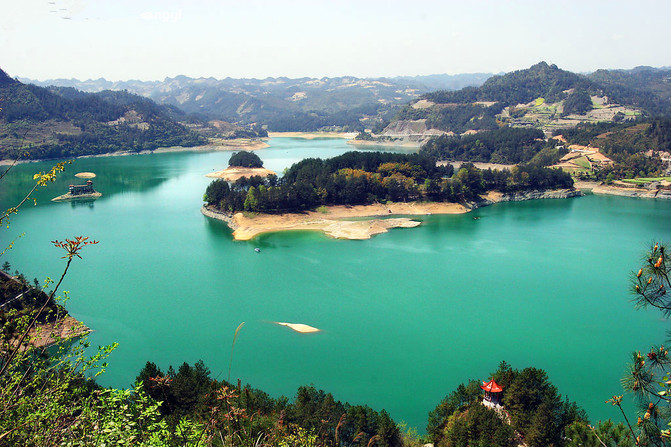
[(73, 117), (283, 103)]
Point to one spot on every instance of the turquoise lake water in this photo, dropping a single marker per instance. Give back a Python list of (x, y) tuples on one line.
[(405, 316)]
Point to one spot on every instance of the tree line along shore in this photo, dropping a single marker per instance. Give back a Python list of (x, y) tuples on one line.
[(322, 194)]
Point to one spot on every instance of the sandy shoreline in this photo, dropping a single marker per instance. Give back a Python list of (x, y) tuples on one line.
[(336, 221), (224, 145), (312, 135), (401, 143), (364, 221)]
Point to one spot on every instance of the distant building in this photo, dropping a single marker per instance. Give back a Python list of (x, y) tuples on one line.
[(493, 393), (77, 190)]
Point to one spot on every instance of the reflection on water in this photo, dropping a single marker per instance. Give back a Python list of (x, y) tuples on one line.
[(82, 203), (114, 175)]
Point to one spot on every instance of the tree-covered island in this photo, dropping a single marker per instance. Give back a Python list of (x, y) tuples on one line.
[(379, 180)]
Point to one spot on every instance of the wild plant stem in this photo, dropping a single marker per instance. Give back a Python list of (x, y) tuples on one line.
[(628, 424), (34, 320)]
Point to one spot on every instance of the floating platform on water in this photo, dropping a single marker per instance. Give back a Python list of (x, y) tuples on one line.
[(68, 196)]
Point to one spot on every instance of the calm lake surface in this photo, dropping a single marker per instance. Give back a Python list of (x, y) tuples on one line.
[(405, 316)]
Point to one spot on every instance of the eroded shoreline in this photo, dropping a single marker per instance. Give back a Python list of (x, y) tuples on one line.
[(638, 193), (225, 145)]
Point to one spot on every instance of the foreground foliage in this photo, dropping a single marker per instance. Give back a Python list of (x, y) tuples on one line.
[(649, 374)]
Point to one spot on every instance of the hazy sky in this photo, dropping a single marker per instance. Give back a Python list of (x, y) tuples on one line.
[(149, 40)]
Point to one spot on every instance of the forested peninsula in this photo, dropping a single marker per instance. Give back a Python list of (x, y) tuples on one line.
[(315, 193)]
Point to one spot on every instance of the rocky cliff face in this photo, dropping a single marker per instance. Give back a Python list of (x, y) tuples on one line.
[(635, 193), (496, 197)]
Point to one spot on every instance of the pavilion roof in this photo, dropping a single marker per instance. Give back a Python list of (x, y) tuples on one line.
[(491, 386)]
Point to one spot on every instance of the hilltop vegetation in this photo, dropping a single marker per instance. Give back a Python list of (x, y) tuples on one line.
[(518, 87), (245, 159), (543, 97), (63, 122), (645, 87), (19, 298), (190, 393), (533, 413)]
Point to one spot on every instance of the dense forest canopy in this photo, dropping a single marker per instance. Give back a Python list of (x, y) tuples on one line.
[(508, 145), (645, 87), (368, 177), (190, 392), (577, 103)]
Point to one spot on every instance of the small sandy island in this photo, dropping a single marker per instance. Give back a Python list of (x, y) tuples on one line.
[(85, 175), (232, 173), (299, 327), (336, 221)]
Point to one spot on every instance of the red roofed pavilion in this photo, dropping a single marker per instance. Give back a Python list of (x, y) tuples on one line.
[(492, 393)]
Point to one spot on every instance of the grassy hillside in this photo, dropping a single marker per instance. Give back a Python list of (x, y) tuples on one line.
[(544, 97)]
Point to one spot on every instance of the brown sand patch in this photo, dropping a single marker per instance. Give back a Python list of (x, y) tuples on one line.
[(299, 327), (232, 173), (334, 221)]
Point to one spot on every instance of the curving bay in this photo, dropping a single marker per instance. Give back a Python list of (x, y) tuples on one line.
[(403, 317)]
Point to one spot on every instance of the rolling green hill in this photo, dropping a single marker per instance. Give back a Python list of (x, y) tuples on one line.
[(57, 122), (544, 97), (63, 122)]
